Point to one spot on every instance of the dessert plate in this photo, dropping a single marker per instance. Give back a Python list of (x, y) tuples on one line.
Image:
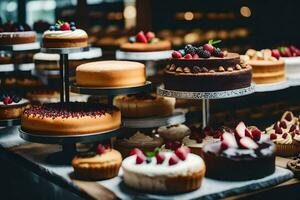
[(154, 55), (272, 86)]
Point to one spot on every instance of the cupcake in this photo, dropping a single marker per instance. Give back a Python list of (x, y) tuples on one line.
[(103, 163), (138, 140), (286, 135), (173, 132), (199, 138)]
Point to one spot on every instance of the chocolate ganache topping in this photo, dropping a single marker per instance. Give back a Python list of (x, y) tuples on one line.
[(67, 110)]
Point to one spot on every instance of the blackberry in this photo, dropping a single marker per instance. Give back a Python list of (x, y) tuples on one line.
[(217, 52), (182, 52), (196, 69), (204, 54), (189, 49)]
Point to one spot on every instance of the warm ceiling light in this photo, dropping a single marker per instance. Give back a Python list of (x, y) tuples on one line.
[(129, 12), (188, 16), (245, 11)]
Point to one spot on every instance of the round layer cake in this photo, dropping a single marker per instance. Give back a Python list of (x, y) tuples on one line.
[(266, 69), (206, 73), (242, 155), (165, 172), (13, 33), (144, 105), (111, 74), (72, 118), (12, 107), (47, 61), (64, 35), (145, 42)]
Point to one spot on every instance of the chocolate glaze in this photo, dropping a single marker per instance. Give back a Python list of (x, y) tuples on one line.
[(204, 82), (67, 110), (239, 164)]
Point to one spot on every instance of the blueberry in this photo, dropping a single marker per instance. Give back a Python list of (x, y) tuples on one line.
[(73, 28), (72, 23), (21, 28), (148, 160), (132, 39), (57, 27), (16, 99), (52, 28), (182, 52)]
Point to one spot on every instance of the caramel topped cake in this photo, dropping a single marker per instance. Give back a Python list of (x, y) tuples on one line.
[(111, 73), (266, 68), (14, 33), (70, 118), (206, 68), (64, 35), (145, 42)]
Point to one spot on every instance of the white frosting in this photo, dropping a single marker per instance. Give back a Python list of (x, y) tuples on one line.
[(193, 143), (92, 53), (65, 34), (292, 67), (23, 101), (193, 163)]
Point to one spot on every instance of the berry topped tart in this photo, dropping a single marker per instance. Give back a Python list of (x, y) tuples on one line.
[(101, 162), (244, 152), (266, 68), (12, 106), (286, 135), (206, 69), (169, 172), (15, 33), (291, 57), (64, 35), (145, 42), (71, 118)]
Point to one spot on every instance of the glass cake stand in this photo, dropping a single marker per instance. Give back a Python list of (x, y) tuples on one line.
[(205, 97), (68, 143)]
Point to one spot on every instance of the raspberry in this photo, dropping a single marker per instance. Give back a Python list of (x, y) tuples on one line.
[(140, 37), (224, 146), (195, 56), (283, 124), (181, 153), (135, 151), (285, 135), (140, 158), (160, 158), (189, 49), (256, 134), (273, 136), (188, 56), (276, 53), (173, 160), (150, 35), (176, 54), (100, 149), (208, 47), (65, 26), (289, 117), (7, 100), (293, 127)]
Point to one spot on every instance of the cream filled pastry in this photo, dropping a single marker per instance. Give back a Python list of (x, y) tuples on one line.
[(286, 135), (170, 172)]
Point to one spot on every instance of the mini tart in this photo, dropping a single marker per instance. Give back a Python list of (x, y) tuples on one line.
[(207, 74), (111, 74), (70, 119), (13, 110), (97, 167), (286, 135), (65, 39), (146, 47), (11, 38), (144, 105), (173, 132), (138, 140), (184, 176)]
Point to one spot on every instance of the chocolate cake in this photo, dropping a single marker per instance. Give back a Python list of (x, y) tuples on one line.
[(242, 155), (197, 70)]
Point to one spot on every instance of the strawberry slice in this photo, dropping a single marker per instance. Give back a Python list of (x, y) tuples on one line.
[(240, 130), (229, 140), (248, 133), (140, 37), (276, 53), (248, 143)]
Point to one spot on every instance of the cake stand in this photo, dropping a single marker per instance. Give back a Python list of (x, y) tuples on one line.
[(64, 68), (10, 122), (21, 47), (149, 57), (112, 91), (272, 86), (205, 97), (68, 143), (294, 81), (177, 117)]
